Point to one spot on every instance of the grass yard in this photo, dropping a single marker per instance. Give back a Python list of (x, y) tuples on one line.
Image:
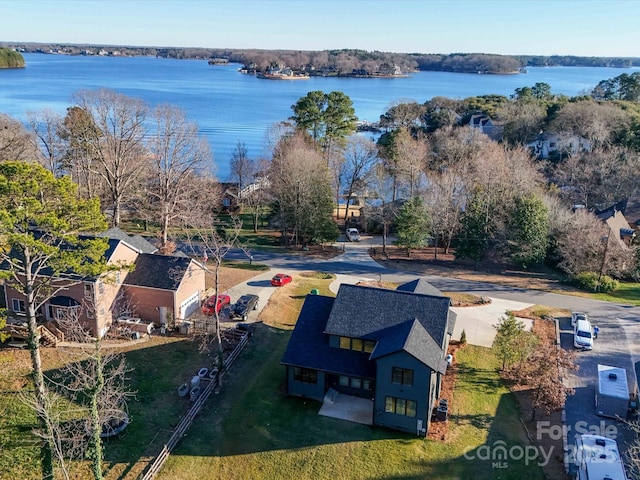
[(160, 366), (628, 293), (251, 430)]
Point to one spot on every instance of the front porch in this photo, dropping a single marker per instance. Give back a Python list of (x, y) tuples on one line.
[(347, 407)]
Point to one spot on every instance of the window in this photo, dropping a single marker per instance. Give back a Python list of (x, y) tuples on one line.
[(402, 376), (357, 344), (356, 382), (400, 406), (100, 287), (226, 202), (343, 381), (88, 290), (305, 375), (366, 384), (18, 305)]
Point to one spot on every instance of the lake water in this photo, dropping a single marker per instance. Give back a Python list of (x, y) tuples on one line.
[(230, 107)]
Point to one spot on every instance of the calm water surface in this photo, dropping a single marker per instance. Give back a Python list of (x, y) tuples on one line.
[(230, 107)]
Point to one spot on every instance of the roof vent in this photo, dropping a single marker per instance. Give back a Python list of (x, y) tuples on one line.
[(613, 376), (600, 442)]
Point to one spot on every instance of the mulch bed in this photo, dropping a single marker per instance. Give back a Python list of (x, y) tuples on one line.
[(438, 428)]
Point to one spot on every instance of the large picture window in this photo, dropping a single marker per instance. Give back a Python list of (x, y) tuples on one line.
[(305, 375), (402, 376), (400, 406)]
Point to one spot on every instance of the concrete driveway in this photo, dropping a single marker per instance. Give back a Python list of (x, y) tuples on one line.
[(478, 322)]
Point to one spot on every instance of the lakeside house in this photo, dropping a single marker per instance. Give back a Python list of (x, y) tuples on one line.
[(388, 347)]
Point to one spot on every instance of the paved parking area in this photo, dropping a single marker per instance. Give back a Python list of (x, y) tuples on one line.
[(478, 322)]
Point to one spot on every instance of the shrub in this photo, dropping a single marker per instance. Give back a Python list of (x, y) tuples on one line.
[(463, 337), (589, 281)]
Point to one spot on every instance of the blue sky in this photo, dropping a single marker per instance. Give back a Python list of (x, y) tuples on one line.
[(543, 27)]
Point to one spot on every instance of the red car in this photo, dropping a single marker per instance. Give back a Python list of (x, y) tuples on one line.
[(217, 303), (281, 279)]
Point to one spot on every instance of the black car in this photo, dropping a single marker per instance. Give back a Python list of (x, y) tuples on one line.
[(244, 305)]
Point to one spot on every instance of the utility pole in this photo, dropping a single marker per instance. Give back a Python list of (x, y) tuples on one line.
[(604, 259)]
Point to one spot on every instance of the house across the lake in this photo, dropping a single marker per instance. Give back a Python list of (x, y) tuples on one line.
[(385, 349)]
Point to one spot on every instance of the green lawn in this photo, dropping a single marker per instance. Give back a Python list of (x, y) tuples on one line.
[(628, 293), (251, 430)]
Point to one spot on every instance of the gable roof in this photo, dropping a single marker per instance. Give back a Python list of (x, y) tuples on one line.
[(419, 286), (309, 347), (412, 338), (360, 312), (136, 241), (163, 272)]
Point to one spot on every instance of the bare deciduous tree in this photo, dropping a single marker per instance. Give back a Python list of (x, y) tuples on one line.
[(445, 201), (117, 142), (94, 377), (602, 175), (48, 128), (209, 241), (16, 143), (177, 156), (241, 166), (360, 157), (543, 372)]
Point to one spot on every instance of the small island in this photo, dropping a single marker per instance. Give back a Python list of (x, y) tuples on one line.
[(10, 58)]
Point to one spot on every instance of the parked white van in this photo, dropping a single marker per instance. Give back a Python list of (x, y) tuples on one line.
[(583, 335), (598, 457)]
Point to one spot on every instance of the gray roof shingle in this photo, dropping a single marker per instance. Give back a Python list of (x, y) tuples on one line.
[(360, 311), (163, 272), (309, 347)]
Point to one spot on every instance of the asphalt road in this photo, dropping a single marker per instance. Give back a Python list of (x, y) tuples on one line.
[(618, 343)]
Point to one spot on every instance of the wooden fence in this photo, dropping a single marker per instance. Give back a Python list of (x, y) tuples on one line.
[(187, 420)]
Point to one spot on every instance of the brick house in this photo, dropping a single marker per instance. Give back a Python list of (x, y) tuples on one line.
[(157, 289)]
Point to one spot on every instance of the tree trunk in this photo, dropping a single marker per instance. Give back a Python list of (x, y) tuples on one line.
[(384, 238), (95, 444), (46, 450)]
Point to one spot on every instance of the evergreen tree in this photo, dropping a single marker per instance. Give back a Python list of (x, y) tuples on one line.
[(528, 231), (40, 219), (412, 224)]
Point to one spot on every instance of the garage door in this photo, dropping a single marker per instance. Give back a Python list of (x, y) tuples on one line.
[(190, 305)]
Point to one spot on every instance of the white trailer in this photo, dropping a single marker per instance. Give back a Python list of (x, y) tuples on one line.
[(598, 457), (612, 396)]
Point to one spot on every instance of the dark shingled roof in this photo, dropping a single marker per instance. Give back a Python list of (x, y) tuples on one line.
[(411, 337), (309, 347), (163, 272), (136, 241), (360, 311), (420, 286)]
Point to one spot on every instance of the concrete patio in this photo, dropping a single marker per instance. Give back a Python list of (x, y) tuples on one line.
[(347, 407)]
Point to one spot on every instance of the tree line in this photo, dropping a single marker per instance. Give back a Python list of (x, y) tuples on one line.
[(340, 58)]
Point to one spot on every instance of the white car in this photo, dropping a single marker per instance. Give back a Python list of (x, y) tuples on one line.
[(575, 316), (353, 235)]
